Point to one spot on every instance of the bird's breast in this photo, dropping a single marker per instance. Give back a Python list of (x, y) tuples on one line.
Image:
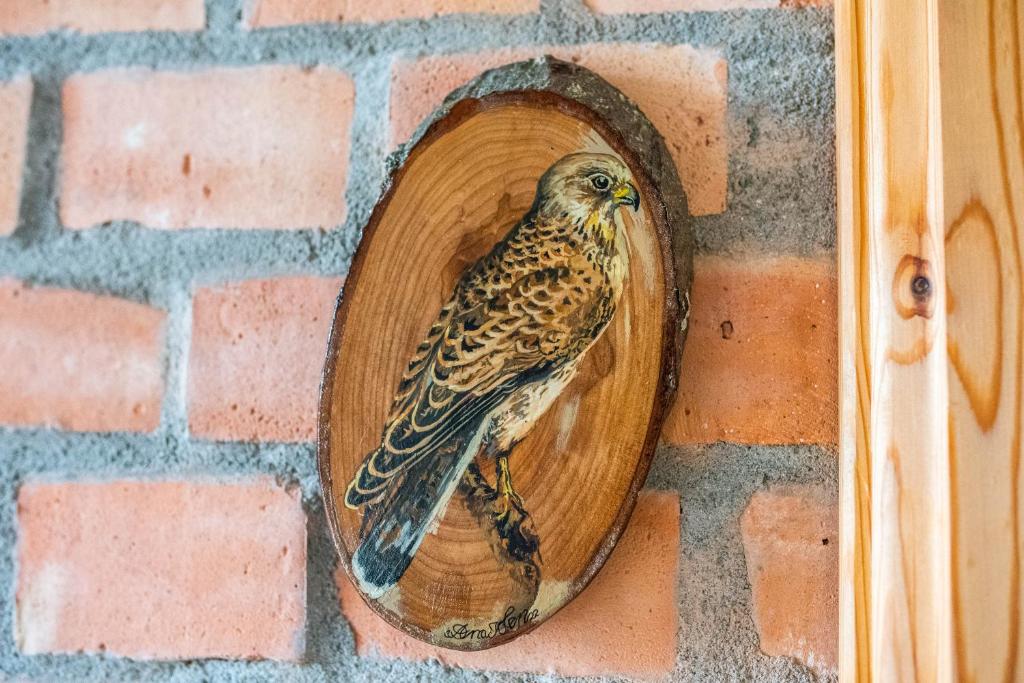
[(514, 418), (617, 269)]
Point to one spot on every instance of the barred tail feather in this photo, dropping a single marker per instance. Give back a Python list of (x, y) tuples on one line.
[(396, 523)]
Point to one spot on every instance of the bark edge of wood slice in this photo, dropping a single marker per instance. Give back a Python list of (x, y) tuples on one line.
[(477, 579)]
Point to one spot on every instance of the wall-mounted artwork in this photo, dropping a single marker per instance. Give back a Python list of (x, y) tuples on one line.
[(502, 354)]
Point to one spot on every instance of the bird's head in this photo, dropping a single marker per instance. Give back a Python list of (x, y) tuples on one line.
[(585, 187)]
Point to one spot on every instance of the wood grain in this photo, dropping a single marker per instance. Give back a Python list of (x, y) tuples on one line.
[(931, 190), (981, 56), (471, 177), (893, 494)]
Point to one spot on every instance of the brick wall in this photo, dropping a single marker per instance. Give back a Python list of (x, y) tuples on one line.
[(182, 185)]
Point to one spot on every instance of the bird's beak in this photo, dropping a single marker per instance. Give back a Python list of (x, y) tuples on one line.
[(626, 194)]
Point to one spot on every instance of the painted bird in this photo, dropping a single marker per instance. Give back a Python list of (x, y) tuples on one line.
[(506, 343)]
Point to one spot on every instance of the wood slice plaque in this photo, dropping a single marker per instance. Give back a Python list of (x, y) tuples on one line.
[(502, 355)]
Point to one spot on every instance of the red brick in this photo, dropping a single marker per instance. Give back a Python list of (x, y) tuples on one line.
[(161, 570), (624, 624), (78, 361), (260, 147), (680, 88), (790, 536), (97, 16), (759, 364), (15, 101), (260, 13), (647, 6), (258, 349)]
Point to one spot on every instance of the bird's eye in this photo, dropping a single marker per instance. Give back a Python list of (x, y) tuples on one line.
[(601, 182)]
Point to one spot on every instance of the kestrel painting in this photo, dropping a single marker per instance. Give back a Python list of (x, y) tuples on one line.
[(509, 339), (503, 353)]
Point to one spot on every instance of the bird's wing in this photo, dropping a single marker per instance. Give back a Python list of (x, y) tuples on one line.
[(475, 355)]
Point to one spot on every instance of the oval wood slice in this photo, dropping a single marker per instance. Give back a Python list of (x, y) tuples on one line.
[(429, 531)]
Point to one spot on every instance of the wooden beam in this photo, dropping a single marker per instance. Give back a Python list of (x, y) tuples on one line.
[(983, 205), (930, 138)]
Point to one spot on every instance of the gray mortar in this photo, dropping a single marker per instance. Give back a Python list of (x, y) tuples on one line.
[(781, 201), (717, 639)]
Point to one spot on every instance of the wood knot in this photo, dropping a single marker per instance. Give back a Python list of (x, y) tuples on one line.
[(921, 288), (913, 290)]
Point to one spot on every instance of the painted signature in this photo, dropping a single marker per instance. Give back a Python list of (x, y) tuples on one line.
[(510, 621)]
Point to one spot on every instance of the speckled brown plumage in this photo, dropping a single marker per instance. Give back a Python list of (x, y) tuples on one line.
[(502, 348)]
